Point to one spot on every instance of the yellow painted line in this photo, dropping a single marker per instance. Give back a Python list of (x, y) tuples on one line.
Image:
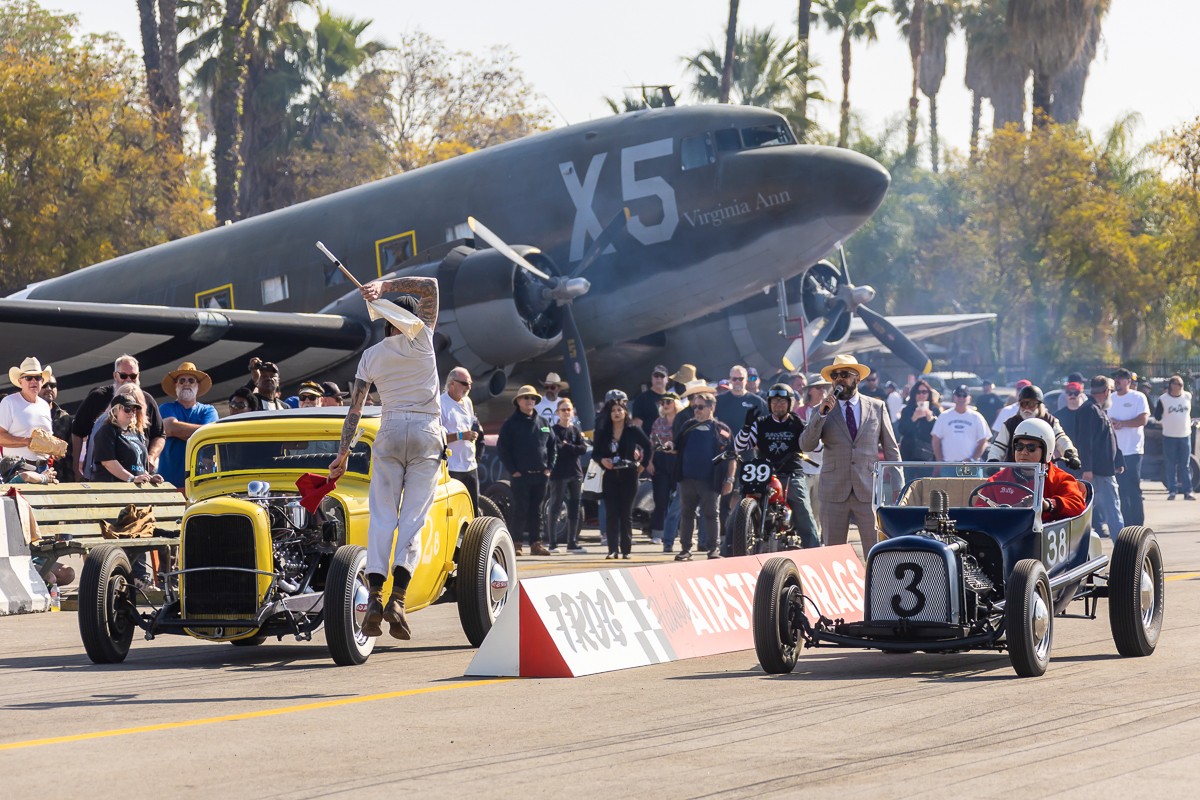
[(270, 712), (1186, 576)]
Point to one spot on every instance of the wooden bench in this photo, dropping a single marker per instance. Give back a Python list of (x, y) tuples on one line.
[(69, 515)]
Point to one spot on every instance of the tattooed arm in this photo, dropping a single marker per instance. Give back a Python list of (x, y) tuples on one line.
[(358, 397), (424, 289)]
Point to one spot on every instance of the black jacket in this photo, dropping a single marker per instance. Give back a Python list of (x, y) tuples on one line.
[(526, 444), (571, 445), (1092, 432), (631, 438), (724, 445)]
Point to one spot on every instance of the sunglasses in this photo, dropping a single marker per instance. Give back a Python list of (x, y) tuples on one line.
[(843, 373), (130, 409), (737, 379), (51, 385), (1072, 394), (186, 379), (467, 384), (1026, 447), (239, 406), (922, 391), (31, 378), (701, 405), (128, 376), (659, 375)]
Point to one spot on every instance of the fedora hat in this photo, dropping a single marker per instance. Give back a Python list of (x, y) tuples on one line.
[(552, 378), (846, 361), (527, 391), (695, 387), (30, 366), (186, 368), (686, 375)]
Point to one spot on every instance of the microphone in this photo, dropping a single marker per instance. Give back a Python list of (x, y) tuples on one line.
[(834, 396)]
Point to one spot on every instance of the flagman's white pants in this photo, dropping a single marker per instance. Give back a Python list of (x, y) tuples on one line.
[(405, 462)]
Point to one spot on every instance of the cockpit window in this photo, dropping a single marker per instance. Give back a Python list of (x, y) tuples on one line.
[(728, 140), (696, 152), (767, 135)]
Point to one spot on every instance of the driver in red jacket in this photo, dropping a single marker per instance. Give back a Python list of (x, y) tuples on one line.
[(1062, 495)]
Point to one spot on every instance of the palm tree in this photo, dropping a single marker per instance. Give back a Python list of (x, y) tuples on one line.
[(1051, 34), (856, 20), (910, 16), (995, 69), (730, 43), (160, 54), (803, 67), (938, 21), (1069, 84), (230, 79), (762, 72)]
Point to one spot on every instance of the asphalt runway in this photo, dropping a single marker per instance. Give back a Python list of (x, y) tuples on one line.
[(187, 719)]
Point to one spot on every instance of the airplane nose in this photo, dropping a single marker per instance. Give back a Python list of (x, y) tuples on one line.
[(856, 185)]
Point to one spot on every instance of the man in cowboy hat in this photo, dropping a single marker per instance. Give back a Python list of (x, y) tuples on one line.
[(526, 447), (182, 417), (547, 407), (407, 455), (852, 429), (23, 412)]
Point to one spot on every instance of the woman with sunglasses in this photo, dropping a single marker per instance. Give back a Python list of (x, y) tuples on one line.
[(120, 448), (915, 427), (23, 412), (1033, 443), (622, 449)]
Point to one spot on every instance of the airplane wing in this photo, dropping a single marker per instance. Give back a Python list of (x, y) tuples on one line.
[(218, 341), (917, 327)]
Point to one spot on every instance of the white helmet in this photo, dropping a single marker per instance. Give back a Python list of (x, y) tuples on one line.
[(1037, 429)]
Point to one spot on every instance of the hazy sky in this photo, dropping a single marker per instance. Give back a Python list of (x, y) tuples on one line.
[(576, 53)]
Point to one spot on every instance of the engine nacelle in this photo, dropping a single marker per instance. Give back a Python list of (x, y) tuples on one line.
[(493, 313)]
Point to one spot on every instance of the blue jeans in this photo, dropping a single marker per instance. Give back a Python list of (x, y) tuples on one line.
[(803, 521), (671, 522), (1177, 464), (1129, 483), (1106, 502)]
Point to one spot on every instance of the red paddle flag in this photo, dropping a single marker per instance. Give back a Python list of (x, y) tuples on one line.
[(312, 488)]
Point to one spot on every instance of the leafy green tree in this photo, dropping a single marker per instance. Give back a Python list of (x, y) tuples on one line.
[(86, 173), (764, 73), (856, 20)]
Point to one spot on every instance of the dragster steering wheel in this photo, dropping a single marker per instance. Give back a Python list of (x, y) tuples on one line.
[(1024, 502)]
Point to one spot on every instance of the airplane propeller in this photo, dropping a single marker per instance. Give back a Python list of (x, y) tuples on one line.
[(844, 298), (564, 290)]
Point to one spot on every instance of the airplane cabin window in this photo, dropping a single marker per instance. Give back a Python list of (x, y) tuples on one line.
[(728, 140), (767, 135), (696, 152), (275, 289)]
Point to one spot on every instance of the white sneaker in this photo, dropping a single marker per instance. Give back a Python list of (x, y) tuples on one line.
[(577, 549), (554, 549)]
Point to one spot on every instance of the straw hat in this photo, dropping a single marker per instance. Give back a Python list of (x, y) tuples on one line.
[(527, 391), (186, 368), (846, 362), (695, 387), (30, 366), (686, 375)]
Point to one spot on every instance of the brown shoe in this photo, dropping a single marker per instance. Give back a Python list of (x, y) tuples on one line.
[(538, 549), (370, 625), (394, 614)]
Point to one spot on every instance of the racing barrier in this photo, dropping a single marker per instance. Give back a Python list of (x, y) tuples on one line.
[(21, 588), (587, 622)]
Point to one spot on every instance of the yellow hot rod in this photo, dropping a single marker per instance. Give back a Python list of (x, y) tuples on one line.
[(254, 563)]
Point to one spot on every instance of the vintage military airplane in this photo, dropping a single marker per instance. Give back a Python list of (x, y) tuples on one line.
[(672, 213)]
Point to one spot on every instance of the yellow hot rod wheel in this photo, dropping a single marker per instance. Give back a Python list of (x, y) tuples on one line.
[(487, 576), (104, 592), (346, 596)]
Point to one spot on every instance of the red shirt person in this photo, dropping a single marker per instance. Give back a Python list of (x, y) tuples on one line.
[(1062, 495)]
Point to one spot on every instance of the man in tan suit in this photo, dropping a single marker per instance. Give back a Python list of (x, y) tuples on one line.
[(852, 429)]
